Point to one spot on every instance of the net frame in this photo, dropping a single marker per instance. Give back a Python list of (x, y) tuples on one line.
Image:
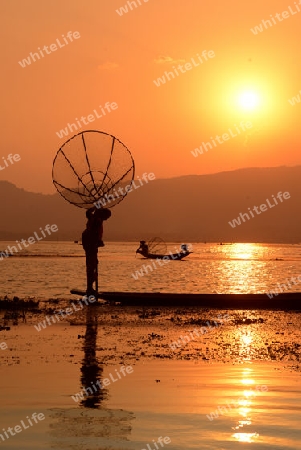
[(157, 246), (89, 196)]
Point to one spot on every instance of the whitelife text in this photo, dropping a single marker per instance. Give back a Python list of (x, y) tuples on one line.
[(48, 49), (259, 209)]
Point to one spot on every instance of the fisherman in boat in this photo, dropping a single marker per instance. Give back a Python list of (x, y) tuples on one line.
[(91, 240), (143, 249)]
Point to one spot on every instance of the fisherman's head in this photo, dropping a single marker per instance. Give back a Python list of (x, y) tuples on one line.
[(89, 213), (103, 213)]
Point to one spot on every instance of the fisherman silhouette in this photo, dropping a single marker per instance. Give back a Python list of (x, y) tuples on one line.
[(91, 240), (143, 249)]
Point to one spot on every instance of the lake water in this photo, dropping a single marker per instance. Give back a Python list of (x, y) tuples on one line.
[(51, 269), (184, 393), (237, 397)]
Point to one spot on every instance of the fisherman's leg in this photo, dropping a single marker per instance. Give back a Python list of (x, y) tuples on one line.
[(96, 274), (90, 271), (93, 286)]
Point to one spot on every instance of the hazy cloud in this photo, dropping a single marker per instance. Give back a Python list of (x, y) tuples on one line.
[(167, 60)]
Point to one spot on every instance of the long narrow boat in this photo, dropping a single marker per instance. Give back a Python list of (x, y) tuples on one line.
[(174, 256), (144, 251), (283, 301)]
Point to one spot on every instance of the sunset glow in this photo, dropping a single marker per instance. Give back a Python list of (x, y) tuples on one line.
[(210, 84), (249, 100), (150, 250)]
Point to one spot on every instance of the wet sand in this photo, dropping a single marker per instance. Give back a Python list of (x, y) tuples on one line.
[(169, 393)]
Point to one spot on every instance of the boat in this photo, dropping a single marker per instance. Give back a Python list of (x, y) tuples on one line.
[(170, 256), (152, 250), (283, 301)]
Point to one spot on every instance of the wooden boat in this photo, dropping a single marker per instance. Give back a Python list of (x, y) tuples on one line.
[(150, 250), (283, 301), (170, 256)]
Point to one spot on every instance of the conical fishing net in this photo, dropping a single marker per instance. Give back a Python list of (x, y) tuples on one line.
[(93, 168), (157, 246)]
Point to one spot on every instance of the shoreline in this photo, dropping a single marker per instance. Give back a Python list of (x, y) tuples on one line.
[(128, 334)]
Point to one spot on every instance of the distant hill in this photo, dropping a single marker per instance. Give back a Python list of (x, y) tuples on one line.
[(189, 208)]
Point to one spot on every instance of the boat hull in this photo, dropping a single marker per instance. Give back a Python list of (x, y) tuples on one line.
[(170, 256), (284, 301)]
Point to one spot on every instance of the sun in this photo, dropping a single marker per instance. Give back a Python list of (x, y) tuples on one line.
[(249, 100)]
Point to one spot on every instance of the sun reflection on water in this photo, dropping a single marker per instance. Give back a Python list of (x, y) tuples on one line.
[(244, 411), (245, 404), (245, 437), (241, 267), (243, 251), (247, 339), (247, 381), (243, 340)]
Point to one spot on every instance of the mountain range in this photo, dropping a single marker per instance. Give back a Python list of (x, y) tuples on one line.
[(193, 208)]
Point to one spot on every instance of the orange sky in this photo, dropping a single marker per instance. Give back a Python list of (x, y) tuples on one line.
[(117, 58)]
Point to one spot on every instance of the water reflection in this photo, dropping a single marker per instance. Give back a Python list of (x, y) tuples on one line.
[(244, 342), (241, 267), (246, 437), (245, 404), (93, 425), (91, 370), (244, 251)]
